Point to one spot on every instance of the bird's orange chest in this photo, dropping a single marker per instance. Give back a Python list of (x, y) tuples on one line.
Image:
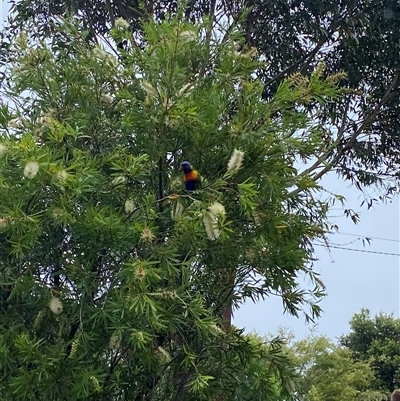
[(192, 176)]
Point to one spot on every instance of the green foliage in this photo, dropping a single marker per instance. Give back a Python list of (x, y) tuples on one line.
[(270, 369), (375, 339), (116, 283), (360, 38), (327, 371)]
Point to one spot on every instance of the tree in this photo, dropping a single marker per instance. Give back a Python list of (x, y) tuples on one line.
[(328, 372), (376, 340), (260, 373), (360, 38), (115, 282)]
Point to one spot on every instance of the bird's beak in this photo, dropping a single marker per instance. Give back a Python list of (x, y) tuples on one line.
[(180, 168)]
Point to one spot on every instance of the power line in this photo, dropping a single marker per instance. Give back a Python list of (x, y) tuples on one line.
[(358, 250), (341, 244), (367, 236)]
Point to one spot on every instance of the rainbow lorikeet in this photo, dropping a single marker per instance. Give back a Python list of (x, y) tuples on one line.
[(192, 177)]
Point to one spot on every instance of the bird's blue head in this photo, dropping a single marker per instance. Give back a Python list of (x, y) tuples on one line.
[(185, 167)]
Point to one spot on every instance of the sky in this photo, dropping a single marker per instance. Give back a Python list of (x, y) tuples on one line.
[(3, 11), (354, 279)]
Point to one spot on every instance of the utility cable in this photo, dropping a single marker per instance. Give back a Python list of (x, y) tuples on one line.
[(358, 250), (367, 236)]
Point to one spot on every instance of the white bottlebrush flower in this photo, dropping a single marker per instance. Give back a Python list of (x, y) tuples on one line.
[(55, 305), (247, 53), (95, 383), (211, 226), (216, 330), (3, 149), (114, 342), (47, 118), (140, 271), (236, 160), (188, 36), (148, 88), (177, 210), (15, 123), (119, 180), (113, 61), (31, 169), (16, 71), (320, 68), (22, 40), (121, 23), (106, 98), (216, 209), (147, 235), (129, 206), (99, 53), (74, 347), (169, 294), (252, 52), (4, 222), (62, 175), (185, 90), (164, 355)]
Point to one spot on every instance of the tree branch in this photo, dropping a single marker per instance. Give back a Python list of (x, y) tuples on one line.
[(350, 142), (306, 59), (210, 28), (324, 157), (366, 122)]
